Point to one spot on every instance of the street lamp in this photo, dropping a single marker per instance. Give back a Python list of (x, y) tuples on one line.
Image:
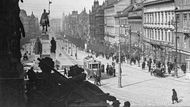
[(176, 37), (119, 68), (138, 33), (174, 23)]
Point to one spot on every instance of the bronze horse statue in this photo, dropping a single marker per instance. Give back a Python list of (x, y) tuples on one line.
[(44, 21)]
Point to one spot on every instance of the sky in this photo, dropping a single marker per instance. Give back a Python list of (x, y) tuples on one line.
[(57, 7)]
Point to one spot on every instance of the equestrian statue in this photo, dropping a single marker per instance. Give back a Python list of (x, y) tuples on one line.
[(44, 21)]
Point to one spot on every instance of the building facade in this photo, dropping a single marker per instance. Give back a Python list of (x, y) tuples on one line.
[(83, 24), (109, 20), (136, 27), (75, 27), (159, 31), (119, 7), (183, 29), (96, 21), (30, 23), (31, 26), (55, 25)]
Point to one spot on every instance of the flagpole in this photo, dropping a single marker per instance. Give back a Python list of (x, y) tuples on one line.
[(49, 5)]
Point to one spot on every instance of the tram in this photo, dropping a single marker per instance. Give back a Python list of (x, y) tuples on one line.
[(91, 66)]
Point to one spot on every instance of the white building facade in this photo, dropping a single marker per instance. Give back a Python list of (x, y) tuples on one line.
[(111, 23), (158, 27)]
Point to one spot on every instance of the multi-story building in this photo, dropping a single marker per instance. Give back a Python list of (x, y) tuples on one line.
[(31, 26), (96, 21), (30, 23), (75, 27), (83, 24), (63, 23), (158, 28), (119, 7), (55, 25), (183, 29), (135, 26), (109, 20)]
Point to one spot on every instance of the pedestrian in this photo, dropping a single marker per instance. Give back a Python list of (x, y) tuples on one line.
[(127, 104), (65, 71), (149, 64), (153, 68), (116, 103), (174, 96), (107, 68), (143, 65)]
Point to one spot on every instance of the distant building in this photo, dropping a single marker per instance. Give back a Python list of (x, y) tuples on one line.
[(96, 21), (112, 7), (83, 24), (183, 29), (63, 23), (130, 29), (75, 27), (31, 24), (109, 20), (55, 25)]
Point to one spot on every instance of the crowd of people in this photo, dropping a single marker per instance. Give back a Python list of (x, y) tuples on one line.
[(159, 68)]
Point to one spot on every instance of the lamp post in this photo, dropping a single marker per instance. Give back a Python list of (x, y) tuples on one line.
[(138, 33), (176, 37), (119, 68), (130, 41), (174, 23)]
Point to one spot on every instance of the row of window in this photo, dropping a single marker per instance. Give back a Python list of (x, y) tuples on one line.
[(184, 17), (159, 34), (182, 2), (164, 17)]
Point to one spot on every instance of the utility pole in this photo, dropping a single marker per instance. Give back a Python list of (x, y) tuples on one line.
[(119, 68), (176, 37), (130, 41), (138, 33)]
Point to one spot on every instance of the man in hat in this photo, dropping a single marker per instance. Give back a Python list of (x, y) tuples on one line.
[(174, 96), (116, 103)]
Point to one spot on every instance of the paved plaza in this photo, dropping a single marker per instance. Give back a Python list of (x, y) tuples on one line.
[(138, 86)]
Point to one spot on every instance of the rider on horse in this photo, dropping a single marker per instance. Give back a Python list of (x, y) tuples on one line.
[(44, 21)]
